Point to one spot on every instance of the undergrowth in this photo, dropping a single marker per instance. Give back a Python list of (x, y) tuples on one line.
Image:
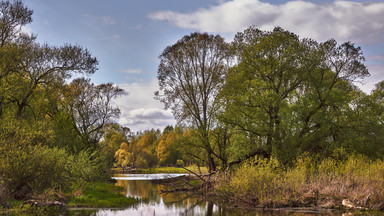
[(266, 183)]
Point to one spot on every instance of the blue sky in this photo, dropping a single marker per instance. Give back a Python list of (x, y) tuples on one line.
[(127, 36)]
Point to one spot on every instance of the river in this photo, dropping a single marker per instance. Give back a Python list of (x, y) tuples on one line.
[(152, 202)]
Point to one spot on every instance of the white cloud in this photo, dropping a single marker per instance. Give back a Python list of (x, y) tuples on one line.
[(26, 30), (360, 22), (139, 109), (377, 75)]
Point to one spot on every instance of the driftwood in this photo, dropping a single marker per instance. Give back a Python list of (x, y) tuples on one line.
[(206, 178), (205, 185)]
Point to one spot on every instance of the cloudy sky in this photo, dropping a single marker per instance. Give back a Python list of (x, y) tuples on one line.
[(127, 36)]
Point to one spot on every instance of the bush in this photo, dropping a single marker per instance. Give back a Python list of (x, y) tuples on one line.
[(264, 183), (257, 182), (87, 167), (33, 169), (180, 163)]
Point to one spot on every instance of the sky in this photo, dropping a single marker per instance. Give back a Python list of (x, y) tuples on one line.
[(127, 36)]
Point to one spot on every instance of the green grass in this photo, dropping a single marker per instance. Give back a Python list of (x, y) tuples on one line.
[(101, 195), (13, 203)]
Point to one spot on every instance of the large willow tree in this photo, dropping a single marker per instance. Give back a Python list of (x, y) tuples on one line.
[(190, 74), (288, 94)]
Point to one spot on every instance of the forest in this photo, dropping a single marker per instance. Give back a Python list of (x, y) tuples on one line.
[(267, 113)]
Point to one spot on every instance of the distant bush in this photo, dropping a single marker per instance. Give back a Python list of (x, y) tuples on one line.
[(180, 163)]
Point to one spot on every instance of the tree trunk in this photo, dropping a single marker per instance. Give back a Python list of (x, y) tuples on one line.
[(211, 162)]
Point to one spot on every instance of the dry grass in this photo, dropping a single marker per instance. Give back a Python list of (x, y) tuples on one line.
[(324, 184)]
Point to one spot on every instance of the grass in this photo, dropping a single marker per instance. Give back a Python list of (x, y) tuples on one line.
[(101, 195), (266, 184)]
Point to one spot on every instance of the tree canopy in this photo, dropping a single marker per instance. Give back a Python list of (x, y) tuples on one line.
[(190, 75)]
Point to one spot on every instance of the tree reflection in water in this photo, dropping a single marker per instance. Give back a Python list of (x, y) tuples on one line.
[(155, 203)]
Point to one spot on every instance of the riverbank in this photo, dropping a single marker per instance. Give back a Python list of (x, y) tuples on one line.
[(100, 195), (354, 182), (91, 195), (351, 183)]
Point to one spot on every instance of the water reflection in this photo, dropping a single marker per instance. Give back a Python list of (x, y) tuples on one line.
[(155, 203)]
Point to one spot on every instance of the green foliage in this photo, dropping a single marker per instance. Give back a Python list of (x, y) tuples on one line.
[(101, 195), (257, 182), (190, 74), (180, 163), (114, 136), (140, 152), (167, 149), (86, 167), (191, 148), (91, 108), (30, 170), (289, 95), (42, 143)]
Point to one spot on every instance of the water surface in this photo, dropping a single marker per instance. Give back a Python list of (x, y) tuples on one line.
[(154, 203)]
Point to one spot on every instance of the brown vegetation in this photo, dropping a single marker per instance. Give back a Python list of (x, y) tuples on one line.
[(325, 184)]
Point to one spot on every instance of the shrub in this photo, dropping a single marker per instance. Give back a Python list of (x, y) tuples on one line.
[(180, 163), (33, 169), (87, 167), (264, 183)]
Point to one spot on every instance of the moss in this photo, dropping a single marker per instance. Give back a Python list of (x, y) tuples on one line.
[(101, 195)]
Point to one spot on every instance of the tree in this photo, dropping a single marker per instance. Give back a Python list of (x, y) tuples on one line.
[(45, 66), (113, 137), (286, 93), (13, 16), (122, 155), (191, 148), (190, 74), (167, 151), (91, 108)]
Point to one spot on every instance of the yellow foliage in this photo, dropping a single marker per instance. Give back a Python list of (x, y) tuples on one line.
[(122, 154)]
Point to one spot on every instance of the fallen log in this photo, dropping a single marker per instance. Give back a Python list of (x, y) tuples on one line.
[(205, 185)]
